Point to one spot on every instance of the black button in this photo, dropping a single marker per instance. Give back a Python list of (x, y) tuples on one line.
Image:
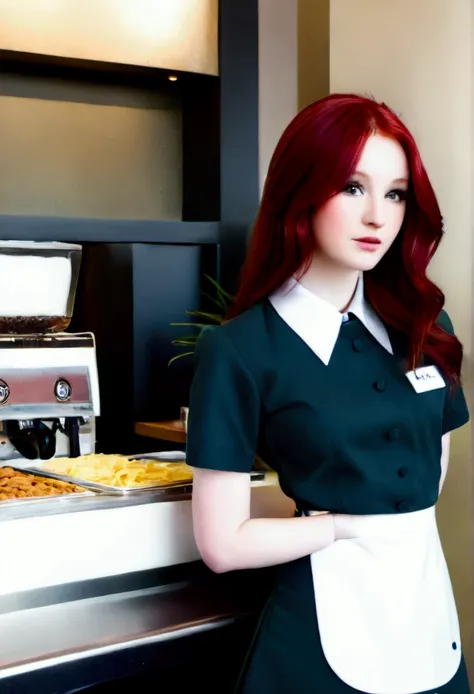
[(455, 646), (380, 385), (403, 472), (403, 506), (393, 435), (357, 345)]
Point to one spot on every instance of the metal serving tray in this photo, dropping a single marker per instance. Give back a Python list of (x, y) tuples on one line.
[(106, 488), (165, 456), (38, 500)]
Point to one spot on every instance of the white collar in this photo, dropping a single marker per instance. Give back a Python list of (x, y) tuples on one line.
[(318, 323)]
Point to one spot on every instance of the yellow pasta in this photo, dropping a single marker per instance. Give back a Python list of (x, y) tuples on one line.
[(119, 471)]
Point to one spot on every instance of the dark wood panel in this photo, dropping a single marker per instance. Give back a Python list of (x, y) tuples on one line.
[(81, 89), (201, 151), (128, 296), (104, 306), (238, 59), (107, 230), (50, 66)]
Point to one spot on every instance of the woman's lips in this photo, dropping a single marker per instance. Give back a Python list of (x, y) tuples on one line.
[(368, 243)]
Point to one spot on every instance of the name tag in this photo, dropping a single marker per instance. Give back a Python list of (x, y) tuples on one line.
[(425, 379)]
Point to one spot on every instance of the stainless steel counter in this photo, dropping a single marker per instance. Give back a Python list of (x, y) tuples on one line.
[(67, 540), (31, 508), (68, 504), (47, 636), (35, 643)]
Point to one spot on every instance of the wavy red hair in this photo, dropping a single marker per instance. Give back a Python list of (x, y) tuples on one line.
[(315, 157)]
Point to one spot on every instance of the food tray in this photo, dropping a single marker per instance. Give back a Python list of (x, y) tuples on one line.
[(183, 485), (180, 456), (165, 456), (106, 488), (38, 500)]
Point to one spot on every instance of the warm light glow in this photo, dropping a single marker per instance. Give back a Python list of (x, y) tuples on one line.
[(173, 78), (173, 34)]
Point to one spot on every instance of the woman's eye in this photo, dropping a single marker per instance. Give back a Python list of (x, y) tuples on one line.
[(353, 189), (398, 195)]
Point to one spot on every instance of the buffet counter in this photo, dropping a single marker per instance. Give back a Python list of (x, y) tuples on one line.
[(103, 578)]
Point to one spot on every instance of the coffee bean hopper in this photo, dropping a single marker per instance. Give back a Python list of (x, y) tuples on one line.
[(49, 390)]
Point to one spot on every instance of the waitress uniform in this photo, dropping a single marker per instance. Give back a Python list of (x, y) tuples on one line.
[(326, 401)]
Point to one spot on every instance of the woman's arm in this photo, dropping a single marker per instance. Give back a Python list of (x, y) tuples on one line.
[(228, 539), (445, 448)]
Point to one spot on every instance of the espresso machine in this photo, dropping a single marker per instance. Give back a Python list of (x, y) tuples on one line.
[(49, 388)]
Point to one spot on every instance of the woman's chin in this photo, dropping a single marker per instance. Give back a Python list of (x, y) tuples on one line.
[(364, 261)]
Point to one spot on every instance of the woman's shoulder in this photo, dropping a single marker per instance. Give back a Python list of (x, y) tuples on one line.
[(246, 334), (249, 324)]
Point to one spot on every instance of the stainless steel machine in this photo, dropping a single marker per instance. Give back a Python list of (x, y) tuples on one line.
[(49, 389)]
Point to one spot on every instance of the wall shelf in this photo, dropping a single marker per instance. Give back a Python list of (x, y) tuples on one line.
[(85, 230), (165, 431)]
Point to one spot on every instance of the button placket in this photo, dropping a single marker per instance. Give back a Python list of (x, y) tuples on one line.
[(393, 435)]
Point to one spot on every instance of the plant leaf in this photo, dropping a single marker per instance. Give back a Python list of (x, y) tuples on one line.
[(218, 301), (192, 325), (215, 317), (184, 341), (179, 356), (222, 300), (221, 291)]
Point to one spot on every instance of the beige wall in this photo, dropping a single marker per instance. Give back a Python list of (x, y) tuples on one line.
[(416, 55), (90, 160), (278, 68), (293, 65), (313, 51)]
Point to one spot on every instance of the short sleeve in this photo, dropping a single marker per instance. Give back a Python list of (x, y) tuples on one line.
[(224, 407), (455, 413)]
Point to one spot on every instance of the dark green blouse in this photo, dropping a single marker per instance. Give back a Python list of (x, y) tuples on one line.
[(350, 437)]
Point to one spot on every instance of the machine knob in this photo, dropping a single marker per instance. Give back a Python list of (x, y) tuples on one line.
[(62, 390), (4, 393)]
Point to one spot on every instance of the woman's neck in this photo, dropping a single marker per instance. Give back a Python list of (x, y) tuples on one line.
[(334, 284)]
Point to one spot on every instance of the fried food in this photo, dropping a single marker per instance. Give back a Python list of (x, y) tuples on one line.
[(119, 471), (22, 485)]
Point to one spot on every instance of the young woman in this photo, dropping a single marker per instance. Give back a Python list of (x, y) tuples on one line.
[(340, 368)]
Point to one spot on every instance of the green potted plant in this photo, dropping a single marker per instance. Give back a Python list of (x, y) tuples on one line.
[(221, 301)]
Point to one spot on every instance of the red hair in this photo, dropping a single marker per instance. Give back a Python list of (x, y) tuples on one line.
[(313, 161)]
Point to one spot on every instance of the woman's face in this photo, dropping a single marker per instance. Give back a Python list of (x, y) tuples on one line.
[(356, 227)]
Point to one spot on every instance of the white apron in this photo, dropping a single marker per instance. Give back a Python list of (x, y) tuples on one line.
[(385, 605)]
